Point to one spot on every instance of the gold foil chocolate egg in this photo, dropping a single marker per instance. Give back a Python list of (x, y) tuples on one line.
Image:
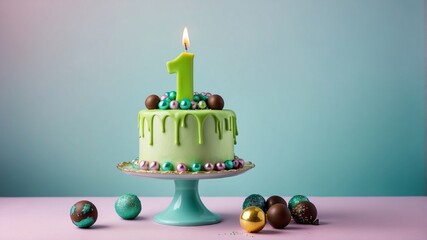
[(252, 219)]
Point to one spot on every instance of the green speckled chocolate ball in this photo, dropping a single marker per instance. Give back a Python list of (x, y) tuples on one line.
[(295, 200), (128, 206), (83, 214), (254, 200)]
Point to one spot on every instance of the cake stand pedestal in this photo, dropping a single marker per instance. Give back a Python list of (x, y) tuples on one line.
[(186, 208)]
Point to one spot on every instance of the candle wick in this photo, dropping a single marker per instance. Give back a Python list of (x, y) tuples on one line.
[(185, 46)]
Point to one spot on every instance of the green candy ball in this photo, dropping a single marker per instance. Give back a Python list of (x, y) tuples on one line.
[(295, 200), (201, 104), (167, 166), (196, 167), (172, 95), (185, 104), (128, 206), (164, 104), (228, 164), (196, 98), (254, 200)]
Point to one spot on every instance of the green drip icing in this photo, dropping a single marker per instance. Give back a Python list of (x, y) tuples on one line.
[(183, 122), (150, 129), (164, 123), (218, 123), (200, 121), (177, 121), (142, 126), (141, 120), (224, 120), (234, 123)]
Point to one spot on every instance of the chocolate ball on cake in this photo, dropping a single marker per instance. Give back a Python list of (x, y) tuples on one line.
[(83, 214), (278, 215), (152, 102), (305, 213), (215, 102), (273, 200)]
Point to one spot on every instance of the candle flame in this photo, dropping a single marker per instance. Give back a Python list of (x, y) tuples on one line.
[(185, 39)]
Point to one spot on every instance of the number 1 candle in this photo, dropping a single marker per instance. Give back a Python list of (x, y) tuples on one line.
[(183, 67)]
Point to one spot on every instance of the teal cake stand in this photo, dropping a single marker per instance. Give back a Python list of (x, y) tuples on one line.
[(186, 208)]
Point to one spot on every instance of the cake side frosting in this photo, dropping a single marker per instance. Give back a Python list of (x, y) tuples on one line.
[(187, 136)]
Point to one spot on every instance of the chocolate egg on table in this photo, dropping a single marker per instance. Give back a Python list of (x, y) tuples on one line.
[(304, 213), (295, 200), (152, 102), (278, 215), (128, 206), (254, 200), (215, 102), (273, 200), (83, 214), (252, 219)]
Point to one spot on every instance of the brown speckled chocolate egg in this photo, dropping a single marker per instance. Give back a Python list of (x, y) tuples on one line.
[(305, 213), (83, 214), (273, 200), (279, 215), (152, 101), (215, 102)]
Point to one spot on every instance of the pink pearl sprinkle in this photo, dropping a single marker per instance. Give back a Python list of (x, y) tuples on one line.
[(236, 163), (241, 163), (208, 94), (154, 165), (163, 97), (143, 165), (209, 166), (193, 105), (181, 167), (220, 166), (173, 104)]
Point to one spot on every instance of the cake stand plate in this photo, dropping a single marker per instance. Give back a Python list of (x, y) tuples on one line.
[(186, 208)]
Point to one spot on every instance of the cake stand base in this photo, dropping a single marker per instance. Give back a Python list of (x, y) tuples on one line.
[(186, 208)]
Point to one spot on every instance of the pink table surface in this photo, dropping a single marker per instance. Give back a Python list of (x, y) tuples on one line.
[(340, 218)]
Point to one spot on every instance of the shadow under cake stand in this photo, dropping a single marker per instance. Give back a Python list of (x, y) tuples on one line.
[(186, 208)]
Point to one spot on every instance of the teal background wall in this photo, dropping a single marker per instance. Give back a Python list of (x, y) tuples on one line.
[(329, 95)]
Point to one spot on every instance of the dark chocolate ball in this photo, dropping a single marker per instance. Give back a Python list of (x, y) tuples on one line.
[(215, 102), (152, 101), (83, 214), (273, 200), (304, 213), (279, 215)]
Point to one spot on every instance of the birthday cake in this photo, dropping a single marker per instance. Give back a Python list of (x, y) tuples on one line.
[(196, 135), (185, 131)]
